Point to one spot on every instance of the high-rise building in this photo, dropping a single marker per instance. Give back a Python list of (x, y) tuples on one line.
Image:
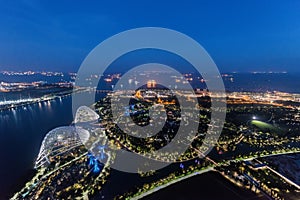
[(151, 84)]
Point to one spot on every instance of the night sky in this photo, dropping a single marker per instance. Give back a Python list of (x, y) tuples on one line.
[(242, 36)]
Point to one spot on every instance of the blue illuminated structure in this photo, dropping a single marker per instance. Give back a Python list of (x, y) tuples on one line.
[(96, 168), (181, 166), (93, 162)]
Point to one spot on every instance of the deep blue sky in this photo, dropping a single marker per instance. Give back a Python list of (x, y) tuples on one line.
[(239, 35)]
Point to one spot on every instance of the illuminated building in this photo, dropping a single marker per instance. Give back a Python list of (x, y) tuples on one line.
[(60, 140), (151, 84), (138, 94)]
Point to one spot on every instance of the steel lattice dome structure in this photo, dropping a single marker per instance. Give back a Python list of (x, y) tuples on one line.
[(60, 140)]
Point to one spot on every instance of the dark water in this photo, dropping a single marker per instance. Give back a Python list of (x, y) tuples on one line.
[(284, 82), (34, 78), (249, 82), (22, 131), (208, 186)]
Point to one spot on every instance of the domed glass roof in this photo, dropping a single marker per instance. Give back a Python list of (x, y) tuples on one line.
[(60, 140)]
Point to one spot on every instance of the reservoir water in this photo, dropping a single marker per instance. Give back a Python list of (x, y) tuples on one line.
[(22, 130)]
